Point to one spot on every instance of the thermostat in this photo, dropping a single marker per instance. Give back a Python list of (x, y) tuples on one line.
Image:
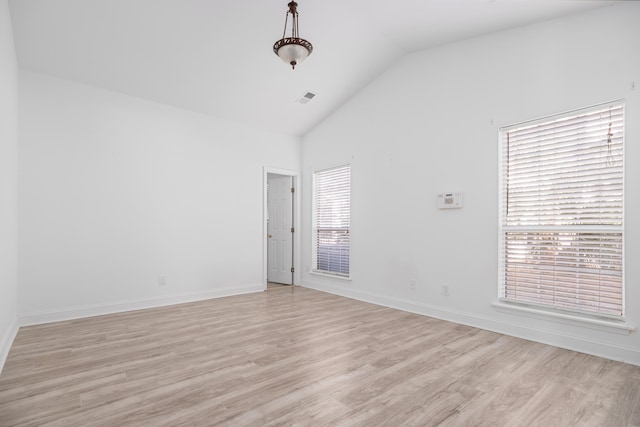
[(450, 200)]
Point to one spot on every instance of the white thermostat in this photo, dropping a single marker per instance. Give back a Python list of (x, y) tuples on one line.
[(450, 200)]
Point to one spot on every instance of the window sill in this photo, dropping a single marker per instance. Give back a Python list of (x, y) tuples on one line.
[(618, 327), (330, 276)]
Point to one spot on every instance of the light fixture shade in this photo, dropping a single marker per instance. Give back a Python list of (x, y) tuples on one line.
[(293, 50)]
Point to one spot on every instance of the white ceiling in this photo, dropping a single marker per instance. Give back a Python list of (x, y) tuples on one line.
[(215, 56)]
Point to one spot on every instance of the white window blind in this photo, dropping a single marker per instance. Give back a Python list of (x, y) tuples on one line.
[(331, 220), (561, 225)]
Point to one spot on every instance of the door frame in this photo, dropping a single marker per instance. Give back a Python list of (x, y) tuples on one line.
[(296, 221)]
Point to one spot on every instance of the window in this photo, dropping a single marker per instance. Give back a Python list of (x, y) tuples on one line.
[(331, 220), (561, 212)]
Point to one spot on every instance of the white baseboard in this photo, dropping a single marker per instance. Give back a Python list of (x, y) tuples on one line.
[(529, 331), (7, 340), (49, 316)]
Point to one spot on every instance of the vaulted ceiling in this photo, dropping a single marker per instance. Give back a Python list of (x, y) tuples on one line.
[(215, 56)]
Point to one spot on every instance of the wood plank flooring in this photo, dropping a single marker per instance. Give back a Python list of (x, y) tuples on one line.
[(294, 356)]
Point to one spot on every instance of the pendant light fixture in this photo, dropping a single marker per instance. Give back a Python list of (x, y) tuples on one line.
[(292, 50)]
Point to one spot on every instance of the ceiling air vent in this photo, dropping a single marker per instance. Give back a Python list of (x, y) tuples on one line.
[(306, 98)]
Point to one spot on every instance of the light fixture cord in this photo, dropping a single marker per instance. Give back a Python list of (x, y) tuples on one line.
[(293, 10), (286, 19), (294, 28)]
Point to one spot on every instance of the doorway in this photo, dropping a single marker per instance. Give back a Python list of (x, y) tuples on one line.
[(280, 236)]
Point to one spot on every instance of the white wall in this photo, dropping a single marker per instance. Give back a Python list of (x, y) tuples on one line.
[(115, 192), (8, 183), (430, 125)]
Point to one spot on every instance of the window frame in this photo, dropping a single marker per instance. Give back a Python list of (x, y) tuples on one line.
[(315, 229), (504, 228)]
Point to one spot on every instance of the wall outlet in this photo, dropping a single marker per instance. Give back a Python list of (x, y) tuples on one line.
[(162, 280), (412, 284), (445, 290)]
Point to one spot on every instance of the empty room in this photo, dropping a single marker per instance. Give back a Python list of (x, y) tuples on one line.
[(319, 213)]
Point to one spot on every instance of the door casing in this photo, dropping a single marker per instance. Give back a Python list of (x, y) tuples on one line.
[(296, 222), (279, 229)]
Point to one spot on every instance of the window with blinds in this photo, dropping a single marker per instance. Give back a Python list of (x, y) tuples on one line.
[(561, 212), (331, 220)]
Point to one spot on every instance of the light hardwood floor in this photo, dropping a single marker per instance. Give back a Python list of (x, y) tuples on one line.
[(294, 356)]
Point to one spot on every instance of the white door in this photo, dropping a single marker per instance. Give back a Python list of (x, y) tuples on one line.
[(279, 229)]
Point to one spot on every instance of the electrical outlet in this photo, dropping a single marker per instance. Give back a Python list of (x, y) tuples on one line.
[(162, 280), (445, 290), (412, 284)]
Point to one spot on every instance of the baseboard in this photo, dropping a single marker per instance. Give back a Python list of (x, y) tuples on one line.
[(525, 331), (37, 318), (7, 341)]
